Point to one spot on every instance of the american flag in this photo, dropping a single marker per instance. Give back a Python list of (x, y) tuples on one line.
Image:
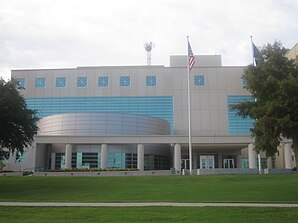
[(191, 57)]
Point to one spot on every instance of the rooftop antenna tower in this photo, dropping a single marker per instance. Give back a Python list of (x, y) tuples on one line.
[(148, 47)]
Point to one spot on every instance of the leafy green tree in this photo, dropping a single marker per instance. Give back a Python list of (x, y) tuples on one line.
[(18, 124), (274, 85)]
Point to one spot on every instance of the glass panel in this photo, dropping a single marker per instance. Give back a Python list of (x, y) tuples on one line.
[(150, 81), (21, 157), (79, 160), (125, 81), (226, 163), (20, 83), (60, 81), (82, 82), (203, 163), (210, 163), (231, 163), (153, 106), (199, 80), (244, 82), (236, 124), (103, 81), (40, 82)]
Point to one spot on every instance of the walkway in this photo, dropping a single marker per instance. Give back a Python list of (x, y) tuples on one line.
[(150, 204)]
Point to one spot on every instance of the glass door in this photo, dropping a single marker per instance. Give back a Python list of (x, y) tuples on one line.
[(229, 163), (207, 162), (185, 164)]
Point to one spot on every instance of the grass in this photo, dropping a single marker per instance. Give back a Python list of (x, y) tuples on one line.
[(221, 188), (147, 214)]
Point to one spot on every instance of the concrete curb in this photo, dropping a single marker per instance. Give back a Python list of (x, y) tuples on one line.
[(149, 204)]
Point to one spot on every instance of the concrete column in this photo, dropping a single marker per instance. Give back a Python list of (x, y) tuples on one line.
[(177, 157), (239, 161), (220, 160), (48, 164), (140, 152), (288, 156), (252, 154), (195, 160), (280, 157), (53, 161), (104, 156), (68, 153), (269, 162), (260, 163)]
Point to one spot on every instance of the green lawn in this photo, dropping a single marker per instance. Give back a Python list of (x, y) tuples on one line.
[(220, 188), (147, 214)]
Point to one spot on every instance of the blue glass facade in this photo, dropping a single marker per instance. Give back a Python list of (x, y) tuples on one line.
[(238, 125), (153, 106)]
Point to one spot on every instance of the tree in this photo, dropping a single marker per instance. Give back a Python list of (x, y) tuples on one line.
[(274, 85), (18, 124)]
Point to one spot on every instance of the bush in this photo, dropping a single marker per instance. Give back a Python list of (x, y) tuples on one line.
[(2, 165), (92, 169)]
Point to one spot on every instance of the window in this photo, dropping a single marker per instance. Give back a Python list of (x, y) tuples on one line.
[(82, 82), (125, 81), (40, 82), (150, 81), (21, 157), (103, 81), (199, 80), (20, 83), (244, 82), (60, 81), (236, 124)]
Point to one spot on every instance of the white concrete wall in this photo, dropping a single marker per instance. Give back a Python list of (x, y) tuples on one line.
[(41, 156)]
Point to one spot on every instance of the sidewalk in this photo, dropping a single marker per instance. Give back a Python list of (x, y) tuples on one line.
[(150, 204)]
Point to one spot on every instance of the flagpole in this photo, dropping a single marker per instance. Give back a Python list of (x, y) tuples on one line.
[(254, 63), (189, 113)]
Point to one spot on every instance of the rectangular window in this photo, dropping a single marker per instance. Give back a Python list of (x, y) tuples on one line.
[(125, 81), (60, 82), (199, 80), (244, 82), (20, 83), (40, 82), (103, 81), (150, 81), (82, 82), (236, 124), (21, 157)]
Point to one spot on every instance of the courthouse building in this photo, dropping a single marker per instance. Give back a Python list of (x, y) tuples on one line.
[(137, 117)]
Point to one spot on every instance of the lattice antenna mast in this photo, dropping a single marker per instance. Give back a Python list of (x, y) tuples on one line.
[(148, 47)]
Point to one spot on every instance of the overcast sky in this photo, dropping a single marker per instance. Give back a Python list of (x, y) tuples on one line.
[(71, 33)]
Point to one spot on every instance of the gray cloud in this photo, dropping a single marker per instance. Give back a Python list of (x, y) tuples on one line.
[(70, 33)]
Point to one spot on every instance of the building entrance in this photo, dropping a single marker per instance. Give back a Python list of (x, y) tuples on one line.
[(229, 163), (185, 164), (207, 162)]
